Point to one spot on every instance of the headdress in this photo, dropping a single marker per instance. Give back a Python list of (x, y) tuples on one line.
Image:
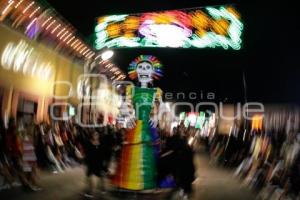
[(157, 66)]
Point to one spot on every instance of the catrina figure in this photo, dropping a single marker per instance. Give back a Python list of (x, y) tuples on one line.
[(137, 165)]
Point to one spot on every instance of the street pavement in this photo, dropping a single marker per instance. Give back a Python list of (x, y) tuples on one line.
[(212, 183)]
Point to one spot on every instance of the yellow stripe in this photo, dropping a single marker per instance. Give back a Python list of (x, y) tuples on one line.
[(135, 178), (138, 132)]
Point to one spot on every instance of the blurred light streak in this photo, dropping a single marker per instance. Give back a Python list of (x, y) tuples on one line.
[(19, 3), (33, 13), (10, 3), (55, 28), (27, 8), (24, 58), (50, 24), (72, 38), (45, 22)]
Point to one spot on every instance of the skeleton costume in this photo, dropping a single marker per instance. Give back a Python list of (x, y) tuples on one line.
[(137, 164)]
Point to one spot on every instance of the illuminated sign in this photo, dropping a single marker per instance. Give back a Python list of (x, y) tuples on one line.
[(191, 28), (23, 58)]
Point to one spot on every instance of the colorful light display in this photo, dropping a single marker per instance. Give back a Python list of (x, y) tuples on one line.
[(193, 119), (200, 120), (192, 28)]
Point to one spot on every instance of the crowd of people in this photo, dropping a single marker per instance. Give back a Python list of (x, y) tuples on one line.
[(268, 163), (29, 148), (53, 147)]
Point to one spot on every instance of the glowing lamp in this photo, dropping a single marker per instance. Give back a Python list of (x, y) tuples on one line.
[(107, 55)]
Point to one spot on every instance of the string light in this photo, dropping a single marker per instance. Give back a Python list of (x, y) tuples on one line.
[(55, 28), (98, 56), (114, 69), (19, 3), (60, 32), (31, 4), (80, 47), (45, 22), (63, 35), (67, 37), (83, 49), (88, 54), (50, 24), (91, 55), (7, 7), (74, 42), (85, 52), (72, 38), (77, 45), (33, 13)]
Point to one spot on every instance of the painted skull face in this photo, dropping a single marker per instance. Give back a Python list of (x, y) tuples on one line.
[(144, 70)]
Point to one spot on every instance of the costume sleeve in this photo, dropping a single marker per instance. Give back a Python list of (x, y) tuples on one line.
[(159, 93), (129, 90)]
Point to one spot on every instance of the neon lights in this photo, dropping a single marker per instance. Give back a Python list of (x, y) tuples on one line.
[(161, 34), (23, 58), (193, 28)]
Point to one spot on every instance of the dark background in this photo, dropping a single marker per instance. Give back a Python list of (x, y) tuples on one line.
[(269, 57)]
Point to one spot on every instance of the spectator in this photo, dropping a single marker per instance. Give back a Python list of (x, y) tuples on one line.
[(94, 162), (29, 160)]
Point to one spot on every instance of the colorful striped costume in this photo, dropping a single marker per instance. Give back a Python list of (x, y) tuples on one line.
[(137, 164)]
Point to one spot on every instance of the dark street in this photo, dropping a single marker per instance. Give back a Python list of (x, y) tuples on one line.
[(212, 183)]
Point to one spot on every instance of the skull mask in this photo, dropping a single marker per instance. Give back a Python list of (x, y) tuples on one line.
[(144, 70)]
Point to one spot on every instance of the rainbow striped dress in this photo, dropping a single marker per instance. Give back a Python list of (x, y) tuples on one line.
[(137, 165)]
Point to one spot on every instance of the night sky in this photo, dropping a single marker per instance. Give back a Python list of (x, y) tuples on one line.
[(269, 57)]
